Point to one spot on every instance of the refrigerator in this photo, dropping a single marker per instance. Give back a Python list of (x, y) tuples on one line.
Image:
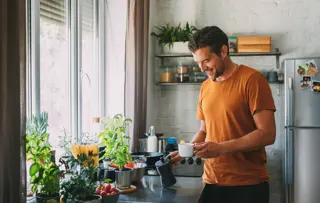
[(302, 130)]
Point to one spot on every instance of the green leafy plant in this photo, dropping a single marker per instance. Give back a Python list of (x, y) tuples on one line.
[(79, 184), (115, 138), (167, 34), (44, 173)]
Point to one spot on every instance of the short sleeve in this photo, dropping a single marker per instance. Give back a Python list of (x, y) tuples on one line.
[(200, 111), (259, 94)]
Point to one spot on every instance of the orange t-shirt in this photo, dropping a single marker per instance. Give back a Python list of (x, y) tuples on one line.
[(227, 107)]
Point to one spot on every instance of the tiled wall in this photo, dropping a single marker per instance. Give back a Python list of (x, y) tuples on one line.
[(293, 27)]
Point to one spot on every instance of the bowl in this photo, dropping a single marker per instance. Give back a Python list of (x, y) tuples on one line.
[(138, 173), (186, 149), (111, 198)]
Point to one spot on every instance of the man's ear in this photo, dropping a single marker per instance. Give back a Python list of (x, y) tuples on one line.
[(224, 52)]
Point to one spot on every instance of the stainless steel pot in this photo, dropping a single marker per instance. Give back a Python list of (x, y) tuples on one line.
[(123, 178), (162, 143)]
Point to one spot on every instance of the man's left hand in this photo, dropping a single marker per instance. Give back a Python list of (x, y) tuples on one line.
[(207, 149)]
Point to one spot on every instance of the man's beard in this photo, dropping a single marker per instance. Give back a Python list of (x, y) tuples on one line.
[(216, 73)]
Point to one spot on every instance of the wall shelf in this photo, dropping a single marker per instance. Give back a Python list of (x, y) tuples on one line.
[(195, 83), (274, 53)]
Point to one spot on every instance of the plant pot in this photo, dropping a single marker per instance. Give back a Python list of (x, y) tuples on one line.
[(46, 199), (111, 198), (92, 199), (104, 174), (177, 48), (123, 178)]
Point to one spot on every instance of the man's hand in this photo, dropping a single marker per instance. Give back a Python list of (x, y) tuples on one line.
[(175, 157), (207, 150)]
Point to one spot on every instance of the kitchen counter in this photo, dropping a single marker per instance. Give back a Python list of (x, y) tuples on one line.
[(187, 189)]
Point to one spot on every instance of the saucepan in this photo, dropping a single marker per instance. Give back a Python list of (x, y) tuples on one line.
[(150, 158)]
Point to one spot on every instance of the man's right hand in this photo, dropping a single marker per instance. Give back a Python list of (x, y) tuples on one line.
[(175, 157)]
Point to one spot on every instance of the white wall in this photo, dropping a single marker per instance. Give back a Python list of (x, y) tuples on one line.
[(293, 25)]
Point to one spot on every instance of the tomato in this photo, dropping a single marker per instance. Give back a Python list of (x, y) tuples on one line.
[(98, 192), (100, 187), (103, 193), (129, 165), (107, 188), (113, 193), (113, 190), (108, 193)]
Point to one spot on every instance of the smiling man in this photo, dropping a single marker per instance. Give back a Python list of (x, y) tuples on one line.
[(236, 110)]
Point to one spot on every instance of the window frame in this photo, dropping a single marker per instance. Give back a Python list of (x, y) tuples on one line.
[(74, 31)]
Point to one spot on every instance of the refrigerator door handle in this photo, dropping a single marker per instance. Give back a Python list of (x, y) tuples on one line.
[(285, 174), (289, 102), (289, 165)]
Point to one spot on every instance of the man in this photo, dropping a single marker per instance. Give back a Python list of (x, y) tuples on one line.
[(236, 110)]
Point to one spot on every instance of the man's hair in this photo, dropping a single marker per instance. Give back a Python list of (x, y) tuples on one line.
[(210, 36)]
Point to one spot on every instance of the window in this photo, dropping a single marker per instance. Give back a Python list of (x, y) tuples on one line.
[(54, 77), (89, 68), (76, 52), (63, 73)]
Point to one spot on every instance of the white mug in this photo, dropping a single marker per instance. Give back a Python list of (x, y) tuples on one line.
[(186, 150)]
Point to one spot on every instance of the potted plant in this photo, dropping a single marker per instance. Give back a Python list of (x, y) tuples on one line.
[(174, 39), (80, 185), (44, 173), (116, 140)]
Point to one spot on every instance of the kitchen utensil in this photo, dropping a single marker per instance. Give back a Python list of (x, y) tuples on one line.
[(162, 143), (272, 76), (138, 172), (164, 168), (131, 189), (157, 134), (111, 198), (150, 158)]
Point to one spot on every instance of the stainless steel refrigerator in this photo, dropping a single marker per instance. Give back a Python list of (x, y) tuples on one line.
[(302, 130)]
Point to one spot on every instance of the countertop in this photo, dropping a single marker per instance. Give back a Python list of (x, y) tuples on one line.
[(187, 189)]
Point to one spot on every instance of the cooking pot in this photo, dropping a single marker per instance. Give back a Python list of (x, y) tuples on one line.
[(150, 158), (157, 135)]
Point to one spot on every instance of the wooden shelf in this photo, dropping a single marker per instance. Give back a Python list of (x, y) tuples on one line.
[(177, 83), (274, 53), (194, 83)]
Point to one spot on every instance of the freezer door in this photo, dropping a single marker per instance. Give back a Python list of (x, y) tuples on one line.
[(302, 105), (306, 165)]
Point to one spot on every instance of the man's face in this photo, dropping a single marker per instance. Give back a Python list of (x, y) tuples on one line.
[(209, 62)]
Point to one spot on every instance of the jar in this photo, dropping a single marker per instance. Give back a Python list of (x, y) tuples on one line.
[(196, 68), (199, 77), (182, 69), (167, 74), (232, 44), (182, 77)]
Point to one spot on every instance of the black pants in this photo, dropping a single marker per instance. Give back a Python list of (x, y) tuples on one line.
[(235, 194)]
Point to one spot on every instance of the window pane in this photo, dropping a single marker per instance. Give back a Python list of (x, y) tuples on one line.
[(89, 69), (54, 67)]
